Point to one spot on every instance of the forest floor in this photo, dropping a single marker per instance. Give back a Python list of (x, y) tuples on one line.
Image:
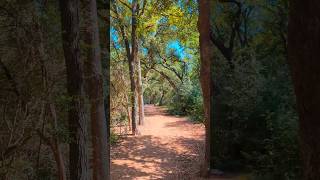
[(167, 147)]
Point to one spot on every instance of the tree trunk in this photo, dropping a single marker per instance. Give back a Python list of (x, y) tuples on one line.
[(128, 112), (55, 146), (304, 61), (133, 59), (95, 92), (205, 78), (162, 96), (77, 122), (133, 96), (59, 160), (140, 95)]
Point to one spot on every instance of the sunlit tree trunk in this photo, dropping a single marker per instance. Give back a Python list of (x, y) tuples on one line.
[(304, 61), (95, 93), (140, 94), (77, 122), (205, 78)]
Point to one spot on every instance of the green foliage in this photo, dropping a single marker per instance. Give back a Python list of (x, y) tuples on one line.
[(255, 121), (254, 106), (187, 100), (114, 138)]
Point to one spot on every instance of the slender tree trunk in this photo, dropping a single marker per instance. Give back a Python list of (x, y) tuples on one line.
[(140, 95), (55, 146), (77, 122), (95, 93), (133, 59), (162, 96), (205, 77), (304, 61), (133, 97), (59, 160)]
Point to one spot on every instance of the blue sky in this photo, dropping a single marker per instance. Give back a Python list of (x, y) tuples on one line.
[(178, 49), (174, 45), (115, 37)]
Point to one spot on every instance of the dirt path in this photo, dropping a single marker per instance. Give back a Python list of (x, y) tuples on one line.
[(168, 147)]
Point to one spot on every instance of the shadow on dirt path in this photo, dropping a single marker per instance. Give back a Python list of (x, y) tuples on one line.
[(168, 148)]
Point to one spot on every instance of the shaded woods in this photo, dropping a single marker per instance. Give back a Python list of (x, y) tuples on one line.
[(237, 79)]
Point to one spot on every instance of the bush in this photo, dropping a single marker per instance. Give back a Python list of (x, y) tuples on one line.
[(255, 120), (187, 101)]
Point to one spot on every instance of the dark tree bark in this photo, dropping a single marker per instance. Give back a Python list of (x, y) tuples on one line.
[(205, 78), (95, 92), (77, 122), (10, 78), (304, 61), (132, 60)]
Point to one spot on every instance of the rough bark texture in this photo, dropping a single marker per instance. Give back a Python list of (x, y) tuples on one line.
[(140, 95), (106, 70), (77, 122), (133, 59), (304, 61), (205, 77), (95, 93), (133, 96)]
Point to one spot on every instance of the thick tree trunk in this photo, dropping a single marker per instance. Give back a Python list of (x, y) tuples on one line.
[(95, 92), (304, 61), (140, 95), (77, 122), (205, 77)]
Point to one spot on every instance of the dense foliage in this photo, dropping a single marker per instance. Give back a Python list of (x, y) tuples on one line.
[(254, 111), (255, 120), (254, 108)]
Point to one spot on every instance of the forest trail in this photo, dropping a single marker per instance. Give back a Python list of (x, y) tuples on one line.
[(167, 147)]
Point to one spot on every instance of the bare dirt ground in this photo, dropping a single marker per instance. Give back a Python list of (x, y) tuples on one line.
[(167, 147)]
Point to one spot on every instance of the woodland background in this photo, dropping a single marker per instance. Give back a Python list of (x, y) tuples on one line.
[(254, 109)]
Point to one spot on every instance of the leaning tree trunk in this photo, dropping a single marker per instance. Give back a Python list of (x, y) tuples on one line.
[(77, 122), (205, 78), (304, 61), (140, 95), (95, 92)]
